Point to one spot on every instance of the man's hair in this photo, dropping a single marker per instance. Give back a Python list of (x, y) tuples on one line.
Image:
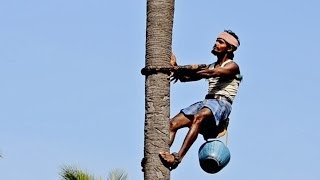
[(231, 55)]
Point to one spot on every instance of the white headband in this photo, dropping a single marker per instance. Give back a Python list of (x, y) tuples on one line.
[(229, 39)]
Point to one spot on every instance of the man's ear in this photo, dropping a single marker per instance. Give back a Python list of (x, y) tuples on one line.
[(231, 48)]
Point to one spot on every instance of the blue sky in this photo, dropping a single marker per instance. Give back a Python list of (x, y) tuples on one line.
[(71, 91)]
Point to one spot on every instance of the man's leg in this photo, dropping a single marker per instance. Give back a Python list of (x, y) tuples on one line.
[(194, 130), (176, 123), (190, 137)]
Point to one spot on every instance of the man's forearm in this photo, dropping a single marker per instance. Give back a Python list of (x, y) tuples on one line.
[(188, 73), (188, 78)]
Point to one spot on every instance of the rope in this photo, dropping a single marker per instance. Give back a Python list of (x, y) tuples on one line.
[(168, 69), (155, 69)]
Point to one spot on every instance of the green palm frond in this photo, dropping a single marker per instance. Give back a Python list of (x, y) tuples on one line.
[(117, 174), (72, 173)]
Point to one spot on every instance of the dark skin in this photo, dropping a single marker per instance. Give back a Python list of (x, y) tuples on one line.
[(230, 70)]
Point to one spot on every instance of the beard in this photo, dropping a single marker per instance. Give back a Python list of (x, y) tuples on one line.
[(214, 52)]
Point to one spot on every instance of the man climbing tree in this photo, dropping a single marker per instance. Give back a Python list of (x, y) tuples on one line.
[(208, 117)]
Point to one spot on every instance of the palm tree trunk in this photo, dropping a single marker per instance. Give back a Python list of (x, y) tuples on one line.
[(157, 87)]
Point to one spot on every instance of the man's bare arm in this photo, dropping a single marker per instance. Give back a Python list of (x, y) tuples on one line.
[(187, 73), (230, 70)]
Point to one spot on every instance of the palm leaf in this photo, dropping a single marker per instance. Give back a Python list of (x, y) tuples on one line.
[(117, 174), (72, 173)]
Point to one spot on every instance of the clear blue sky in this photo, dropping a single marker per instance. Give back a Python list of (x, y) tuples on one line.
[(71, 92)]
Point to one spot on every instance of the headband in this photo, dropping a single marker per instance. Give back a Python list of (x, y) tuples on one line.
[(229, 39)]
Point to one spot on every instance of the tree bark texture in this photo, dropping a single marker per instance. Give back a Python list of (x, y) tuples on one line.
[(157, 87)]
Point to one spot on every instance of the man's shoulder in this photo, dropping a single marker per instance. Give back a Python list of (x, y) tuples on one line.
[(230, 62)]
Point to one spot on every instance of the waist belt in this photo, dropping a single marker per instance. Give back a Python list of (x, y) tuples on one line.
[(219, 97)]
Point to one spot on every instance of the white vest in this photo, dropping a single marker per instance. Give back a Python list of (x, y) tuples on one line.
[(223, 86)]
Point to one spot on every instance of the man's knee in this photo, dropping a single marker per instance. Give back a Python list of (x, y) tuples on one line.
[(198, 119), (179, 121), (201, 115), (173, 125)]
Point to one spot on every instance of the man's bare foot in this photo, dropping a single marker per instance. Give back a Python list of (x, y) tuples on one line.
[(167, 157), (170, 160)]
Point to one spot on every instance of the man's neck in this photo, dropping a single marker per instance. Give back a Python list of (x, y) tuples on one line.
[(221, 59)]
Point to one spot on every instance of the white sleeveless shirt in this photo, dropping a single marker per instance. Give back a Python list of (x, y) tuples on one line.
[(223, 86)]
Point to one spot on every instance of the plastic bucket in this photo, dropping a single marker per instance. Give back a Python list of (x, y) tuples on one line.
[(213, 156)]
